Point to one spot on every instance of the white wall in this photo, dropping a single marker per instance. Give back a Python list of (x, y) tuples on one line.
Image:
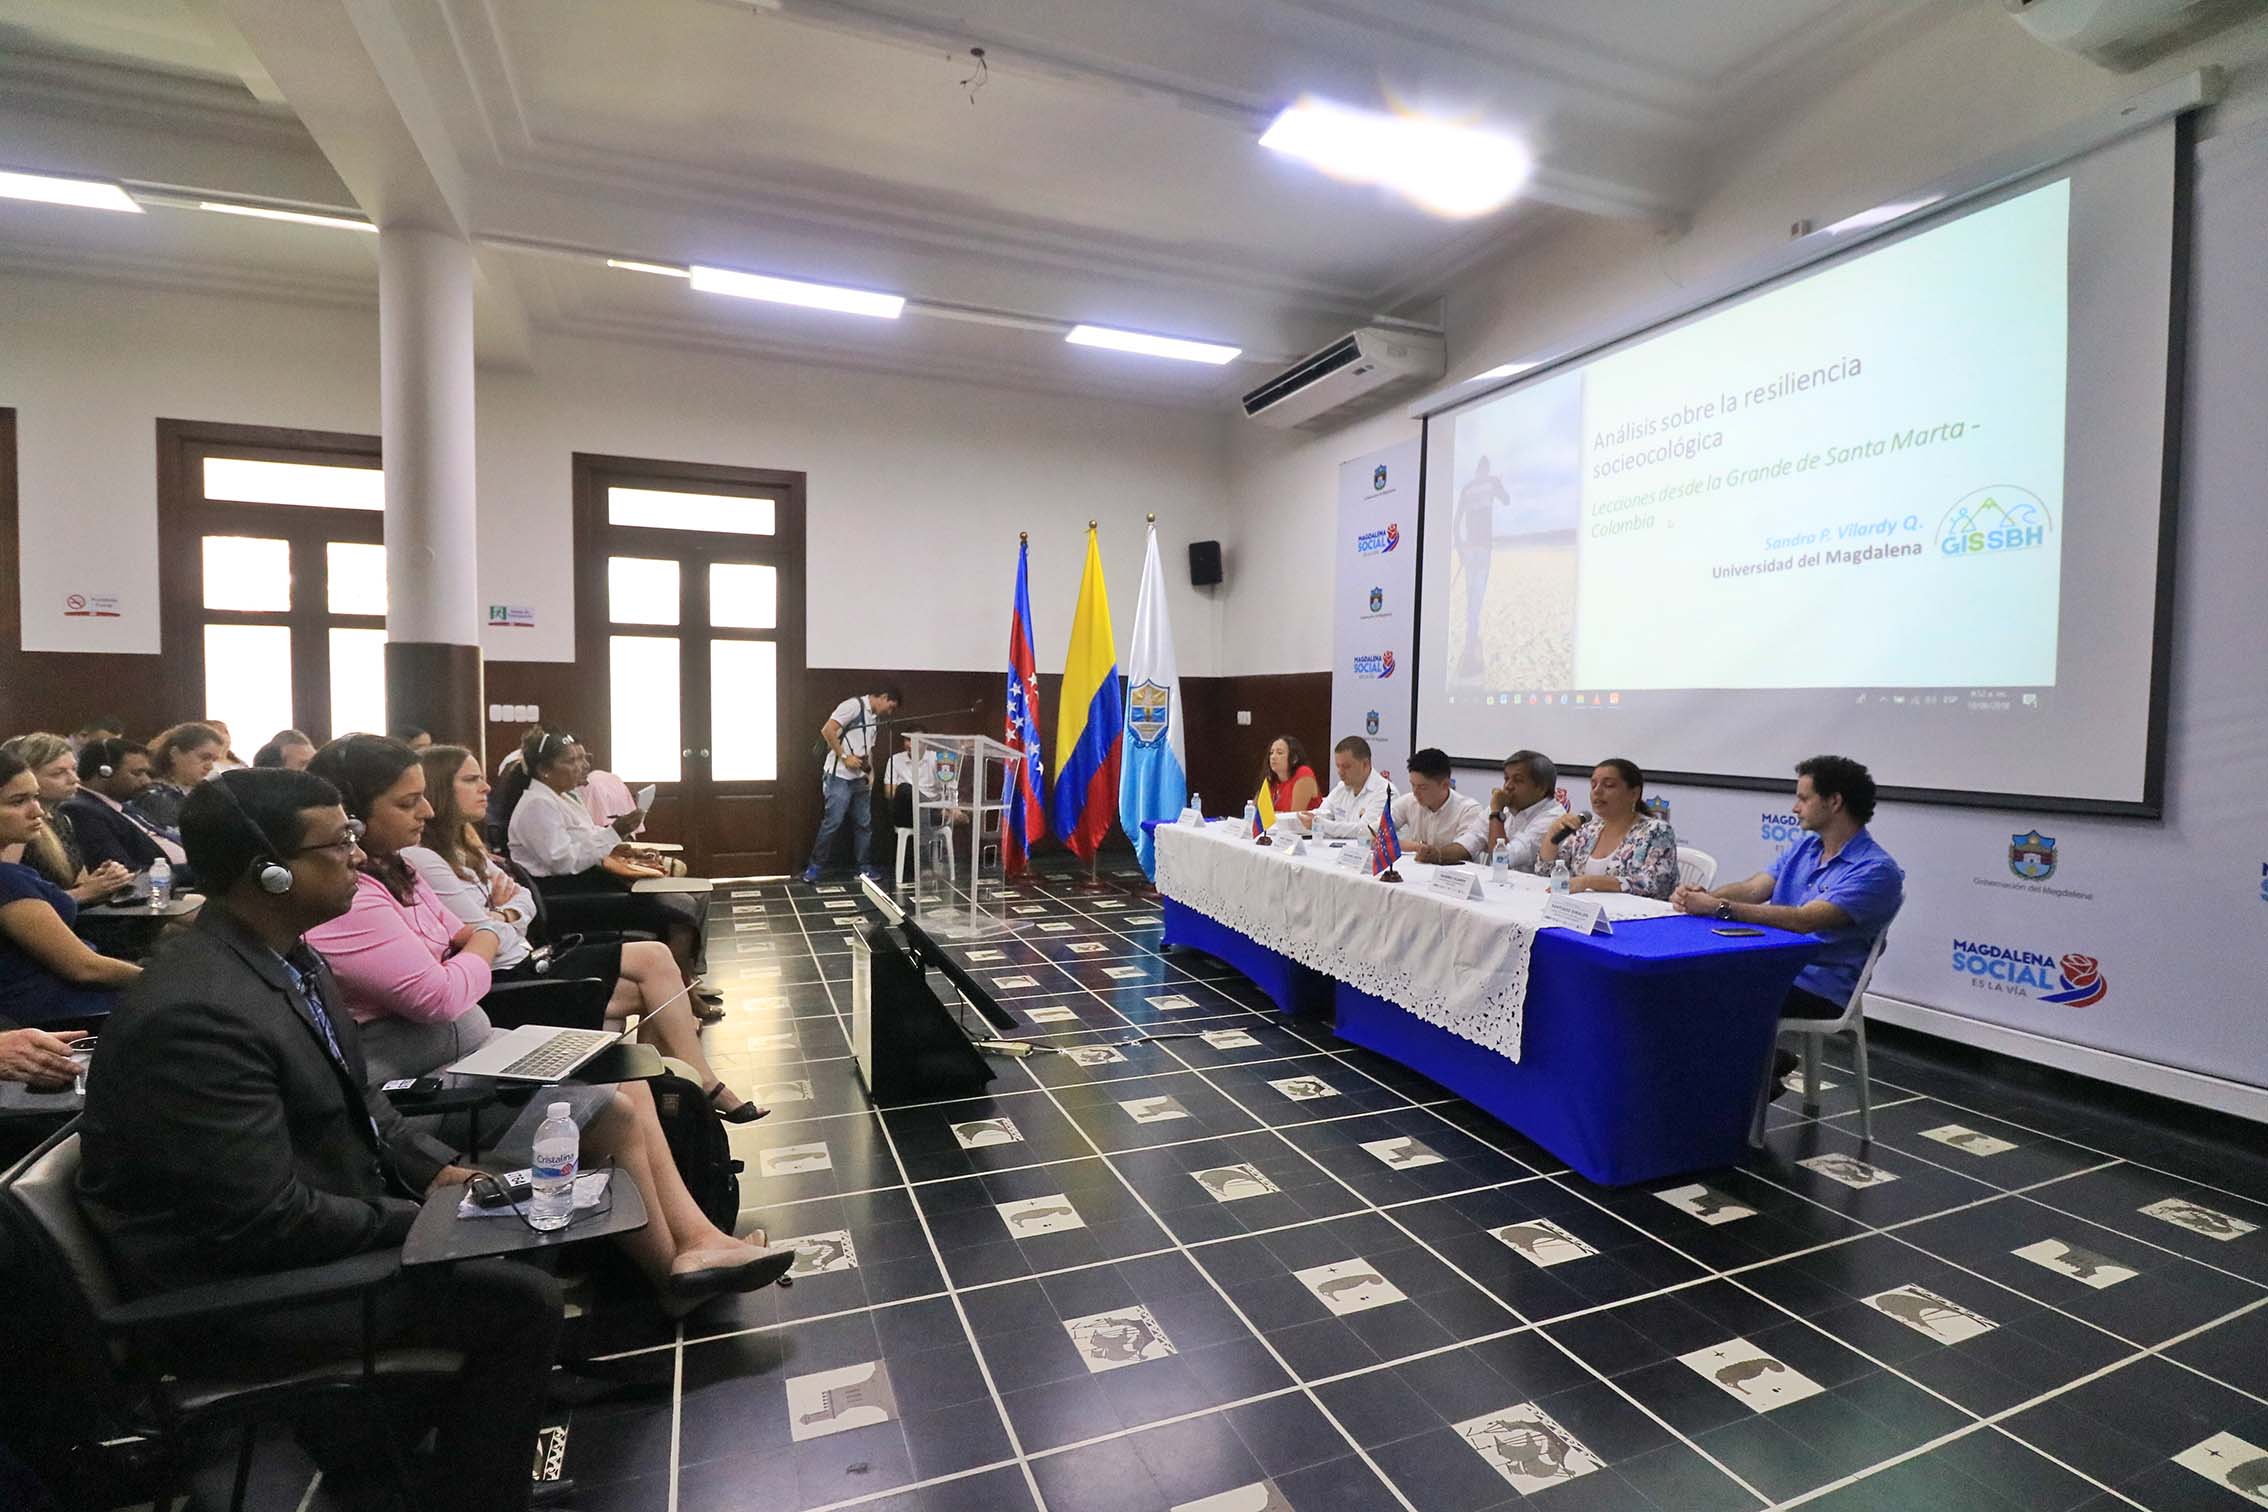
[(929, 481), (1969, 86)]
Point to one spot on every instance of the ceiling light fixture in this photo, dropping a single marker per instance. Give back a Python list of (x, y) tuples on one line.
[(296, 217), (1502, 370), (48, 189), (1879, 215), (1444, 168), (663, 270), (1152, 346), (791, 291)]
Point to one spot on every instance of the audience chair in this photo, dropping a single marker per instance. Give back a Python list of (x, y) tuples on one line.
[(1813, 1033), (1695, 868), (99, 1361), (905, 852)]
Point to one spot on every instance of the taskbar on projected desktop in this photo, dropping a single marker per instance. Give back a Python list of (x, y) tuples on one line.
[(1919, 700)]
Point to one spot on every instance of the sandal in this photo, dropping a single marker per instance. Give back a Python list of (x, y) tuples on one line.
[(746, 1113)]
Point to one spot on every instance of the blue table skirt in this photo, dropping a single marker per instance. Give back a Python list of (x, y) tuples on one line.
[(1641, 1051)]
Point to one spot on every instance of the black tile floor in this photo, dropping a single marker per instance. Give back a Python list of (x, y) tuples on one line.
[(1249, 1268)]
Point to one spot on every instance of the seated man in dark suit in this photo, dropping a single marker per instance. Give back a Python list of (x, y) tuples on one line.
[(111, 774), (228, 1132)]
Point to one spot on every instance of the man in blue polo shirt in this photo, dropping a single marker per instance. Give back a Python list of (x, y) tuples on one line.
[(1835, 883)]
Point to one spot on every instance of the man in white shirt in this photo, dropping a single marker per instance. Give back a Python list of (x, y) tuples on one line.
[(1523, 811), (846, 777), (1353, 808), (1438, 824)]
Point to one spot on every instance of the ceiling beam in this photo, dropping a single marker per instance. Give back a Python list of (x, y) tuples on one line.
[(351, 75)]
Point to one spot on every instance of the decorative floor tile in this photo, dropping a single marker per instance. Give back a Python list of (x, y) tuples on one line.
[(794, 1160), (817, 1254), (1930, 1315), (1403, 1154), (1154, 1109), (1849, 1170), (1706, 1203), (2081, 1265), (1349, 1286), (978, 1133), (1542, 1243), (1228, 1039), (1118, 1338), (1304, 1088), (1528, 1447), (2230, 1463), (1968, 1140), (1040, 1215), (835, 1401), (2199, 1219), (1234, 1182), (1261, 1496), (1749, 1375)]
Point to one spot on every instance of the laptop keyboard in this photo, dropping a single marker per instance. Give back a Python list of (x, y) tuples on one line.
[(558, 1054)]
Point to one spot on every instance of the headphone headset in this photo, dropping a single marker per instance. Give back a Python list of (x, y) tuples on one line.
[(274, 877)]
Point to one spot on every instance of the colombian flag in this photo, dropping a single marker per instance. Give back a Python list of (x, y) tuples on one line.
[(1266, 803), (1090, 719)]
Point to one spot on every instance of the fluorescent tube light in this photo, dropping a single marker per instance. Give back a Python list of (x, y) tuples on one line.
[(1152, 346), (85, 194), (791, 291), (297, 217), (1501, 370), (1442, 167), (632, 265)]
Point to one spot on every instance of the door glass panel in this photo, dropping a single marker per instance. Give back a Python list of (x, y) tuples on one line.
[(645, 713), (240, 480), (666, 509), (744, 702), (247, 572), (248, 679), (641, 591), (357, 582), (744, 596), (358, 681)]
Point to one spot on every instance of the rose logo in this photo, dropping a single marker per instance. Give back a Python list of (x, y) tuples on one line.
[(1386, 664), (2083, 984), (1393, 536)]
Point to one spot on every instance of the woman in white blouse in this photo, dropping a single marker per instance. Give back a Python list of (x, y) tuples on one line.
[(472, 886), (555, 840)]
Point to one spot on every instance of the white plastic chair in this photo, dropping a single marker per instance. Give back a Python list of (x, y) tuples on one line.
[(905, 853), (1813, 1033), (1695, 868)]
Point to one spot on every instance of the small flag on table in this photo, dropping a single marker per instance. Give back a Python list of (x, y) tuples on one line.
[(1026, 817), (1386, 840)]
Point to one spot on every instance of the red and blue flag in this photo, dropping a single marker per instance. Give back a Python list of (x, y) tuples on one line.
[(1386, 840), (1026, 817)]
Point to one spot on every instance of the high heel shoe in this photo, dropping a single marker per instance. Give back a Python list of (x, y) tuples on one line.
[(746, 1113), (706, 1003)]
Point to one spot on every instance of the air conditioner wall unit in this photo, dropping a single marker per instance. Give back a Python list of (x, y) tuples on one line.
[(1360, 368)]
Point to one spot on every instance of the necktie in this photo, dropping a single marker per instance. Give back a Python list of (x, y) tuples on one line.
[(306, 982)]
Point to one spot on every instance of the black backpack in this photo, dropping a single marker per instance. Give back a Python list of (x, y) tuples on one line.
[(698, 1145)]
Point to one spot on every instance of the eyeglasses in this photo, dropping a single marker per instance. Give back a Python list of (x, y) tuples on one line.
[(350, 840)]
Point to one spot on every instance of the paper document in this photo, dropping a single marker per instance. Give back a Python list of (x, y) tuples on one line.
[(590, 1191), (646, 799)]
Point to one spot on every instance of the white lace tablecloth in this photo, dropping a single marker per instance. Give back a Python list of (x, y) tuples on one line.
[(1458, 964)]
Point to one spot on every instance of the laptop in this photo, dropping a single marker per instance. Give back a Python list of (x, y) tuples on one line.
[(537, 1053)]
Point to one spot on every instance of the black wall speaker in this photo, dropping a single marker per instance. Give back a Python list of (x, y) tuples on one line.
[(1204, 563)]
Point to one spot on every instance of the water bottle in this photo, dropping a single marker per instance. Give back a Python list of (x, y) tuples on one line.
[(1197, 804), (557, 1144), (1559, 875), (1251, 817), (161, 884), (1500, 862)]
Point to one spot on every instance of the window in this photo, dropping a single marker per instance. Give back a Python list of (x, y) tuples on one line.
[(274, 581)]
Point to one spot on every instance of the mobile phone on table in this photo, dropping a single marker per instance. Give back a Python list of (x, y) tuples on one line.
[(1738, 932), (495, 1191), (411, 1086)]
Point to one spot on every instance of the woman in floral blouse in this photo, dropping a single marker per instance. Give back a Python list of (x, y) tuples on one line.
[(1621, 848)]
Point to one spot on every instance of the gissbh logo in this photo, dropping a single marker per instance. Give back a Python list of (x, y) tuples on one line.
[(1990, 521), (1377, 600), (1780, 829), (1378, 478), (2031, 856), (2072, 980), (1379, 666), (1378, 542), (1370, 727)]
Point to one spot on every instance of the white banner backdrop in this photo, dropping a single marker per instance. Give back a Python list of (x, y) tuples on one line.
[(2124, 949), (1373, 591)]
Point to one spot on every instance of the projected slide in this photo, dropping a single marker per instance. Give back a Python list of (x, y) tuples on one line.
[(1908, 501), (1853, 482)]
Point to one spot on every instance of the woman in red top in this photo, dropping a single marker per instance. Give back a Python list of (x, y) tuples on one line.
[(1291, 781)]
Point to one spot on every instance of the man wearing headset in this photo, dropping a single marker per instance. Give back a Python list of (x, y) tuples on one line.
[(111, 773), (228, 1132)]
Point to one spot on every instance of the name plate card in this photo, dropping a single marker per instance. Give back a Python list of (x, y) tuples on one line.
[(1580, 912), (1298, 847), (1353, 856), (1191, 819), (1457, 882)]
